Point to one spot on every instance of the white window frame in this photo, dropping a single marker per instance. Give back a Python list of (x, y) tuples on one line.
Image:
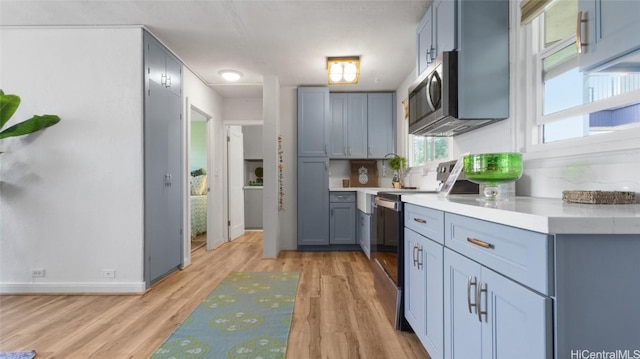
[(531, 109), (428, 164)]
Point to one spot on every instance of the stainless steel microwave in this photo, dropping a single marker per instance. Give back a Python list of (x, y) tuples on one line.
[(444, 103)]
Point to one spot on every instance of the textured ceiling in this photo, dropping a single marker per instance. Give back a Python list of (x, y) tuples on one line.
[(288, 39)]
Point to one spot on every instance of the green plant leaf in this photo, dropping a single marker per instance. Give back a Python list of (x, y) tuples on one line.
[(35, 123), (8, 106)]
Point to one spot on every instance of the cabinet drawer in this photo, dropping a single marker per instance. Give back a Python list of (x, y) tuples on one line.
[(521, 255), (425, 221), (342, 197)]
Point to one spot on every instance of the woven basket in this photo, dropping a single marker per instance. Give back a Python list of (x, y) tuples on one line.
[(599, 197)]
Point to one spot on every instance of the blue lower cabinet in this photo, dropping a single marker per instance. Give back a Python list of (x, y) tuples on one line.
[(423, 300), (342, 223), (490, 316)]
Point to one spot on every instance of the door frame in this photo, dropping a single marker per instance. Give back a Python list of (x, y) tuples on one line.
[(186, 239)]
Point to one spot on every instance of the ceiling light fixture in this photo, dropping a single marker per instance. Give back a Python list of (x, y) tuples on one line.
[(343, 70), (230, 75)]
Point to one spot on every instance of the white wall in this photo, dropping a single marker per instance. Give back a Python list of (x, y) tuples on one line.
[(209, 102), (71, 199), (289, 131), (242, 110)]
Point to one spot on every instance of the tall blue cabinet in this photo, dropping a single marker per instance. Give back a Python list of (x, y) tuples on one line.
[(313, 166)]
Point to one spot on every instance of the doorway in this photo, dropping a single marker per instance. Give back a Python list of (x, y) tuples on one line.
[(199, 180)]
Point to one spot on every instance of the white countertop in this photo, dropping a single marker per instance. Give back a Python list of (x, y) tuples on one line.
[(544, 215), (252, 187), (367, 190)]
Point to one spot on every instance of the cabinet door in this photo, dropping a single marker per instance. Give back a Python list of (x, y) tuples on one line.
[(313, 201), (338, 127), (444, 34), (415, 285), (381, 130), (357, 125), (518, 320), (424, 41), (343, 223), (424, 264), (173, 70), (462, 329), (364, 232), (313, 121), (611, 30)]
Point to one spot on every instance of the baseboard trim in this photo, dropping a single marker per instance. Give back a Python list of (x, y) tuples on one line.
[(72, 288)]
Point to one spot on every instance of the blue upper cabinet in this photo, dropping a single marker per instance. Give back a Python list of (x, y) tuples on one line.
[(609, 29), (436, 32), (314, 118), (474, 28), (381, 130), (348, 130), (424, 41)]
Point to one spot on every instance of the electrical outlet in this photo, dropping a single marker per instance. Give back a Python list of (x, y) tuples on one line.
[(37, 273), (108, 273)]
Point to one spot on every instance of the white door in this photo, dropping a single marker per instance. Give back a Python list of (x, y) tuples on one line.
[(235, 180)]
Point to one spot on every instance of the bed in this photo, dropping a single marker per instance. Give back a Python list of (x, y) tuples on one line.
[(198, 205)]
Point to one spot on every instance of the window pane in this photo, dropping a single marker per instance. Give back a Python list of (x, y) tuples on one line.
[(418, 151), (559, 57), (560, 21), (618, 119), (442, 148)]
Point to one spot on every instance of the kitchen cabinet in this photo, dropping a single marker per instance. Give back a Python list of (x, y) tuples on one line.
[(252, 142), (362, 125), (163, 68), (348, 125), (490, 316), (342, 218), (381, 129), (363, 232), (424, 295), (608, 31), (534, 278), (253, 207), (314, 118), (162, 161), (436, 32), (313, 201), (478, 30)]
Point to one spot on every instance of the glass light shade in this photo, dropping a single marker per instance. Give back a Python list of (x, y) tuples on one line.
[(335, 72), (230, 75), (350, 71)]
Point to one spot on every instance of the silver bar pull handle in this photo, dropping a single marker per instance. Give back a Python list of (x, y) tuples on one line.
[(420, 261), (420, 220), (579, 43), (471, 281), (167, 180), (168, 82), (415, 255), (482, 288)]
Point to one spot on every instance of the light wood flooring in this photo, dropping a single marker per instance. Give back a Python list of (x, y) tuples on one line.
[(336, 312)]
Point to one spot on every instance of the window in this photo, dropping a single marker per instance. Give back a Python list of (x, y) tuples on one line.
[(573, 103), (426, 149)]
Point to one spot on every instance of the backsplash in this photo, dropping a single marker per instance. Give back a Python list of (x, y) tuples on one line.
[(617, 171), (340, 169)]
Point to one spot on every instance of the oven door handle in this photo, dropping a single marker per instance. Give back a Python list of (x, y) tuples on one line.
[(388, 204)]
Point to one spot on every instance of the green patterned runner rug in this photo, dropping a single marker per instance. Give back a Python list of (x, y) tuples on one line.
[(248, 315)]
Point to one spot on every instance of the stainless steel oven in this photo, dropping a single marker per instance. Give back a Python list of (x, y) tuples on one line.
[(387, 254)]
